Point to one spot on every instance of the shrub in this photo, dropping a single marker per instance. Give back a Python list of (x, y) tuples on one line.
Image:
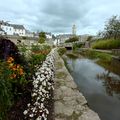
[(40, 49), (77, 45), (106, 44), (24, 37), (42, 37), (12, 75), (72, 39), (61, 51), (5, 90)]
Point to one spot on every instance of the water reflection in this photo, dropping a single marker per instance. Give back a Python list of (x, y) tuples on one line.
[(100, 86), (112, 83)]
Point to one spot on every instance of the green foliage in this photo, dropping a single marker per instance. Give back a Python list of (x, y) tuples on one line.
[(94, 55), (106, 44), (72, 39), (89, 38), (22, 48), (24, 37), (5, 90), (76, 46), (112, 28), (40, 48), (42, 37), (62, 51), (39, 53), (37, 59), (35, 48)]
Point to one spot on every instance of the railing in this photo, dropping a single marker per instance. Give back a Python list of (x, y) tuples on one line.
[(116, 51)]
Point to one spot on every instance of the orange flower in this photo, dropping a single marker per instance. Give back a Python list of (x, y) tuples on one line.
[(21, 71), (18, 66), (10, 60), (13, 76)]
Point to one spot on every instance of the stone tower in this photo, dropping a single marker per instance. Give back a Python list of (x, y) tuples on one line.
[(74, 29)]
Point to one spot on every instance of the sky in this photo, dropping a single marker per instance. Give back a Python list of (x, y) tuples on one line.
[(58, 16)]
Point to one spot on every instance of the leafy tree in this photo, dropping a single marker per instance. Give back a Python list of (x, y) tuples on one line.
[(72, 39), (42, 37), (89, 38), (112, 28)]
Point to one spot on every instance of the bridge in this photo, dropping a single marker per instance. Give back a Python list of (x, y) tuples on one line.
[(69, 46)]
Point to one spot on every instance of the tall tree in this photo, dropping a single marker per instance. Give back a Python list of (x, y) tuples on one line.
[(112, 28), (42, 37)]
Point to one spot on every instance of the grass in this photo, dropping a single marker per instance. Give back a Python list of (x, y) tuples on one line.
[(105, 57), (106, 44), (62, 51)]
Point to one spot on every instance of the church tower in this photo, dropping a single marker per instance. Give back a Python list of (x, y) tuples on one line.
[(74, 30)]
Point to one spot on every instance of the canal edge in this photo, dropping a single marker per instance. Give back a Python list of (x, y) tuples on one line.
[(69, 103)]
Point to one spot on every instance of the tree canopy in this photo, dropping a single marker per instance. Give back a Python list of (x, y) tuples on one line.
[(42, 37), (72, 39), (112, 28)]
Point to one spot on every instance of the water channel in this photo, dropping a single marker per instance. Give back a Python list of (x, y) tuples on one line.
[(100, 87)]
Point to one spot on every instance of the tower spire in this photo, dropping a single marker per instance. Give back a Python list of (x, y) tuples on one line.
[(74, 29)]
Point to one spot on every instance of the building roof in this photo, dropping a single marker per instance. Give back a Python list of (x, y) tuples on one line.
[(17, 26), (4, 23), (1, 30)]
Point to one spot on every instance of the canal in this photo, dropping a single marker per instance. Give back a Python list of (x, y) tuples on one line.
[(101, 87)]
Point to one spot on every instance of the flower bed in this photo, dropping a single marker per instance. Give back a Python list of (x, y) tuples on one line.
[(19, 69), (42, 87)]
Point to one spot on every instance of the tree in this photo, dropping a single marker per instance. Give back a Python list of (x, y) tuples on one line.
[(72, 39), (42, 37), (112, 28)]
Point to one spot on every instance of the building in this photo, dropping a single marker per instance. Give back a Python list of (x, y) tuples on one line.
[(12, 29), (83, 38), (2, 32), (7, 28), (18, 30), (29, 34), (63, 37), (48, 35)]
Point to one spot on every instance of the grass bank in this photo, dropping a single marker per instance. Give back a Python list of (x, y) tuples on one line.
[(92, 54), (106, 44)]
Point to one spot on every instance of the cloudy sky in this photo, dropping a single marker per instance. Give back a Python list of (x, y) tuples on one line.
[(58, 16)]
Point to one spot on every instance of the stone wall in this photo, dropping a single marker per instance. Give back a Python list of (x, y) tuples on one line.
[(70, 104)]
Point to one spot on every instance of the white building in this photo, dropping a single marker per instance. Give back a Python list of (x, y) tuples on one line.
[(18, 30), (63, 37), (48, 35), (29, 34), (2, 32), (12, 29), (7, 28)]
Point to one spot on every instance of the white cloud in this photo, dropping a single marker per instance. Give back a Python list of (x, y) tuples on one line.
[(58, 16)]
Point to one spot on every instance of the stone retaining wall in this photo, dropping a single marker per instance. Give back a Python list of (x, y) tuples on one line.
[(69, 104)]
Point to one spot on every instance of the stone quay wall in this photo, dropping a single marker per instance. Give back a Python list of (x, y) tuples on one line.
[(69, 104)]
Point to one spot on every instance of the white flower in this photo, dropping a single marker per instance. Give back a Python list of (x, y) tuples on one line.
[(31, 115), (39, 118), (35, 86), (25, 112), (28, 104), (44, 83), (34, 94)]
